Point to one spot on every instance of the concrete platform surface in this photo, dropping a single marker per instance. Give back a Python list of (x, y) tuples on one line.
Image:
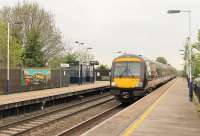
[(26, 96), (173, 116), (170, 115)]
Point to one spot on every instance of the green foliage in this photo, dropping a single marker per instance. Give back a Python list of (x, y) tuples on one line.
[(196, 64), (15, 47), (103, 67), (198, 35), (55, 62), (83, 56), (15, 52), (3, 43), (34, 17), (70, 58), (33, 55), (196, 57), (161, 60), (41, 40)]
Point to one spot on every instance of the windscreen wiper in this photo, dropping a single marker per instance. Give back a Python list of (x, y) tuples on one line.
[(122, 73)]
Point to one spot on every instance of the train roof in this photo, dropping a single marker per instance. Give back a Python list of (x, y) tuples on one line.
[(142, 58), (129, 55)]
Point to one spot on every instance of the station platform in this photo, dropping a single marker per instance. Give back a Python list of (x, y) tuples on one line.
[(170, 114), (31, 97)]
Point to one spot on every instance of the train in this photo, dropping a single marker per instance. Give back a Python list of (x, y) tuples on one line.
[(134, 76)]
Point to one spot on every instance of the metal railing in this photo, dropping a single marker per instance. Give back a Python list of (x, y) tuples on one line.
[(196, 88)]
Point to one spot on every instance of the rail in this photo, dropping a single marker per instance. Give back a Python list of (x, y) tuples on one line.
[(56, 115), (85, 124)]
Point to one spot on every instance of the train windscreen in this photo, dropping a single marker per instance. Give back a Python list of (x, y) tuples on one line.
[(126, 69)]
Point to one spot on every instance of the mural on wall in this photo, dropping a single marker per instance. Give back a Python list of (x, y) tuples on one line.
[(35, 77)]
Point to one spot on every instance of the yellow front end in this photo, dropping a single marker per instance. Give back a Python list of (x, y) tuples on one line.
[(126, 82), (127, 77)]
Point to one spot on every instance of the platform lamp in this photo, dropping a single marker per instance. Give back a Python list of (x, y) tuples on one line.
[(186, 59), (190, 47), (89, 48), (120, 52), (80, 63), (8, 54), (79, 43)]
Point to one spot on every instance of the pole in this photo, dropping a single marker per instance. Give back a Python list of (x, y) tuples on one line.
[(93, 74), (60, 76), (8, 58), (190, 59), (79, 73)]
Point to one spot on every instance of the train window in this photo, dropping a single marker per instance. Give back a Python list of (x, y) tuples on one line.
[(122, 69), (148, 72)]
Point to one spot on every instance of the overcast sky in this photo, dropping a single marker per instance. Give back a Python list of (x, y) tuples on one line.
[(133, 26)]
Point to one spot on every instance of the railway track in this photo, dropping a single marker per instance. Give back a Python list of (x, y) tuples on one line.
[(25, 126), (91, 122)]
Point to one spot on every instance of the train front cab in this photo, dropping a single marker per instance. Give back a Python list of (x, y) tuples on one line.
[(128, 78)]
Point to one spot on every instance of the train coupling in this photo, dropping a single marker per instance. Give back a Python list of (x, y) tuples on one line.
[(125, 95)]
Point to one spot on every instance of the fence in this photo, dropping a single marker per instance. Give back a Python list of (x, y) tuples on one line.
[(14, 83), (103, 75), (19, 81), (196, 89), (44, 78)]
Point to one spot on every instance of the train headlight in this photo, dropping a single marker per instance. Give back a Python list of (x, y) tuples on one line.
[(113, 84), (140, 84)]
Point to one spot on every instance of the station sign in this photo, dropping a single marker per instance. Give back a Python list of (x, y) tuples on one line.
[(64, 65)]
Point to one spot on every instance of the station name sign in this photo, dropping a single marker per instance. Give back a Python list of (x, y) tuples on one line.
[(64, 65)]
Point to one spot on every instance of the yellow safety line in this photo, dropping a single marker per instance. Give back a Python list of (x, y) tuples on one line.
[(138, 122)]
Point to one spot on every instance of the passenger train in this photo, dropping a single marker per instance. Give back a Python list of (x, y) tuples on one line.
[(133, 76)]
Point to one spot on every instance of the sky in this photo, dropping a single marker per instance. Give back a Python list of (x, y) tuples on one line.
[(140, 27)]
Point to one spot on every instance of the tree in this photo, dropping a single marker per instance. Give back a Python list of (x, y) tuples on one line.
[(54, 63), (196, 45), (35, 17), (70, 58), (103, 67), (161, 60), (33, 55), (15, 47), (195, 55), (84, 56)]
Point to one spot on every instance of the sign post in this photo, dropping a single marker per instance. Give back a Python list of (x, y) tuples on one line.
[(62, 65)]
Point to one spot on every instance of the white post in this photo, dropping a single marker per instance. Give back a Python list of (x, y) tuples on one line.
[(60, 76), (8, 57), (190, 48), (190, 58)]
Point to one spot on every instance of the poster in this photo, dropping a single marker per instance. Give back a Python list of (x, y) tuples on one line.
[(35, 76)]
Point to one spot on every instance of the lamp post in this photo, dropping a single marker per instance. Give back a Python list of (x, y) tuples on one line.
[(79, 43), (80, 62), (8, 55), (79, 48), (89, 48), (120, 52), (190, 47), (8, 58)]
